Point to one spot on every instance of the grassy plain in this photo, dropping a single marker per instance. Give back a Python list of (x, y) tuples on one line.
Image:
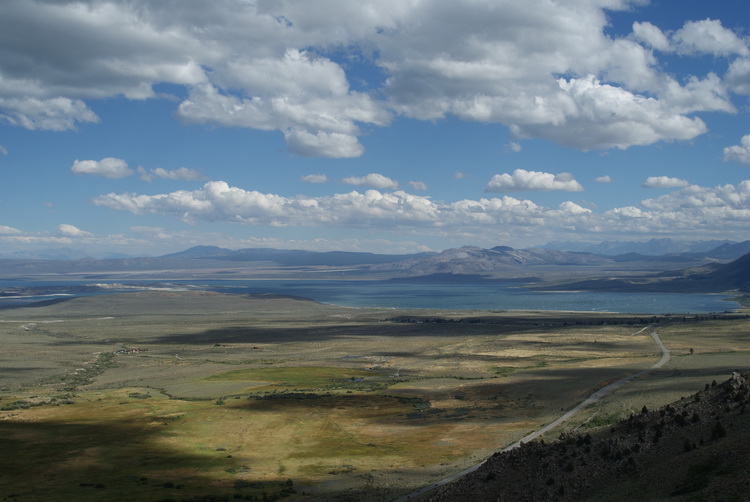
[(158, 396)]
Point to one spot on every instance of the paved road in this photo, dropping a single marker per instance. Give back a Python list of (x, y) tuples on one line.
[(607, 389)]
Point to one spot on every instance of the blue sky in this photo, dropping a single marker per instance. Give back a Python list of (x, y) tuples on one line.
[(146, 127)]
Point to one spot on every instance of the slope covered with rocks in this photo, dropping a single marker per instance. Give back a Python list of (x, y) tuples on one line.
[(694, 449)]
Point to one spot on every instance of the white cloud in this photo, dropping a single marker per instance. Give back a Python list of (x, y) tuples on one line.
[(515, 146), (458, 175), (109, 167), (314, 178), (217, 201), (738, 76), (727, 207), (573, 208), (522, 180), (323, 144), (719, 212), (71, 231), (708, 37), (182, 173), (282, 66), (651, 35), (664, 182), (66, 235), (697, 94), (305, 96), (604, 179), (5, 230), (53, 114), (373, 180), (3, 150), (418, 185), (601, 116), (739, 153)]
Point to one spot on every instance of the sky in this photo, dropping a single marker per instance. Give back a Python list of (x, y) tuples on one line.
[(392, 126)]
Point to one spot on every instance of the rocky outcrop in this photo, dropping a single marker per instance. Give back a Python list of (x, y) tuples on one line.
[(693, 449)]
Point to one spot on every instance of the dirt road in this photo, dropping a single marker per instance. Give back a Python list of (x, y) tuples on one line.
[(607, 389)]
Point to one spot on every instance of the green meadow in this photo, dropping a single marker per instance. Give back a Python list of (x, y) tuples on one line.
[(165, 396)]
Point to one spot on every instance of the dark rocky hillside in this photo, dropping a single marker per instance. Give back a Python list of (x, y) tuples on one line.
[(692, 450), (736, 274), (712, 278)]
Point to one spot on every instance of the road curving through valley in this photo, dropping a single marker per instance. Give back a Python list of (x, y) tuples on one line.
[(598, 394)]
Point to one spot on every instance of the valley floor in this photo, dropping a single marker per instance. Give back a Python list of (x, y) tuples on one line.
[(156, 396)]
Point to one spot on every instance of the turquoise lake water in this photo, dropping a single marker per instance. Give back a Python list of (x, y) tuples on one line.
[(450, 296)]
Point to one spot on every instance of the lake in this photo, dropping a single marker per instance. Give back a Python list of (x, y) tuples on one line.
[(449, 296)]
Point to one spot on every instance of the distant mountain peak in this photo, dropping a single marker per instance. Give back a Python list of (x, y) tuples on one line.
[(200, 252)]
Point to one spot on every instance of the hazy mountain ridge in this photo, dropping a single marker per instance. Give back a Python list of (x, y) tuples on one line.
[(684, 273), (293, 257), (471, 260), (652, 247), (60, 254)]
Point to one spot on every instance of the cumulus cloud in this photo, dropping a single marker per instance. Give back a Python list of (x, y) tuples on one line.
[(305, 96), (182, 173), (514, 146), (72, 231), (373, 180), (716, 210), (739, 153), (372, 209), (651, 35), (281, 66), (314, 178), (458, 175), (217, 201), (708, 37), (719, 212), (5, 230), (738, 76), (522, 180), (109, 167), (603, 116), (418, 185), (53, 114), (664, 182), (604, 179), (323, 144)]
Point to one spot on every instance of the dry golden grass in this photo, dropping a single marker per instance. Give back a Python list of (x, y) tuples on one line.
[(236, 395)]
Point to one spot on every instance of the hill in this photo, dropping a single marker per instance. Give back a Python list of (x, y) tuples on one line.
[(294, 257), (201, 260), (712, 278), (735, 274), (652, 247), (693, 449), (499, 261)]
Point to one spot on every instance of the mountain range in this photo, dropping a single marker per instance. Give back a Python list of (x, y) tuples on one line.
[(719, 249), (292, 257), (707, 271), (652, 247)]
